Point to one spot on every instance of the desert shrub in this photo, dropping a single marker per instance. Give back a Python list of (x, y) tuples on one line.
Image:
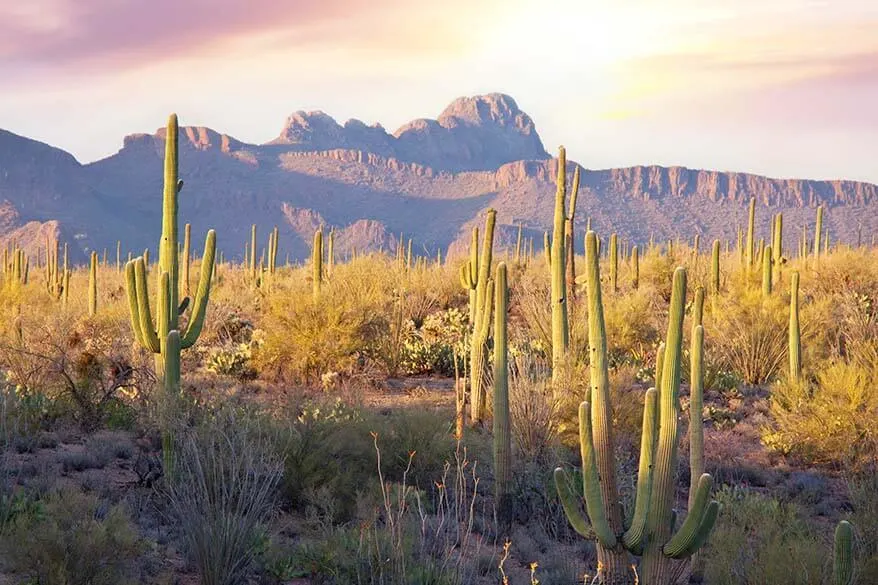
[(221, 492), (749, 334), (863, 493), (72, 538), (632, 324), (330, 458), (306, 338), (833, 419), (758, 540)]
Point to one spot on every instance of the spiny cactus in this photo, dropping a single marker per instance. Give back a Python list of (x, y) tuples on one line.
[(650, 530), (518, 246), (330, 252), (635, 267), (843, 566), (795, 340), (777, 247), (119, 255), (93, 285), (766, 271), (569, 236), (751, 221), (153, 334), (502, 440), (469, 273), (818, 232), (614, 262), (317, 263), (187, 258), (557, 259), (481, 322)]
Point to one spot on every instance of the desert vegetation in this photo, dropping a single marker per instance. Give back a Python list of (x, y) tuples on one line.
[(650, 412)]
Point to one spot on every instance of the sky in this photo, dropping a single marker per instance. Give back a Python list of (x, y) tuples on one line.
[(785, 88)]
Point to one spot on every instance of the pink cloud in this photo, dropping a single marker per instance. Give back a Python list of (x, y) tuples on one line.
[(100, 34)]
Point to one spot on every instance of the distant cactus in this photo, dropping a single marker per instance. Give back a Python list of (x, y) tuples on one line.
[(714, 269), (635, 267), (766, 271), (750, 246), (818, 232), (518, 246), (777, 247), (614, 262), (795, 339), (317, 263), (93, 285)]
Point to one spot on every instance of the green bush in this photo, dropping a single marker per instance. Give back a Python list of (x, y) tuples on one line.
[(72, 538), (758, 540)]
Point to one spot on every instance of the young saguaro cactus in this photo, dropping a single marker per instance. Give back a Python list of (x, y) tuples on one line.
[(153, 334), (818, 232), (766, 271), (650, 532), (635, 267), (714, 269), (843, 566)]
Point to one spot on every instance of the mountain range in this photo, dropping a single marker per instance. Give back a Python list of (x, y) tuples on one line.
[(431, 180)]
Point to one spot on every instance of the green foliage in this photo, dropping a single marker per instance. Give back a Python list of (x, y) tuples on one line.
[(759, 540), (71, 538)]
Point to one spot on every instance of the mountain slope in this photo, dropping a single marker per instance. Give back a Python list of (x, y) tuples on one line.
[(430, 180)]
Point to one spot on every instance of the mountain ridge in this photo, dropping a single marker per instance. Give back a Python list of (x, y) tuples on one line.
[(429, 180)]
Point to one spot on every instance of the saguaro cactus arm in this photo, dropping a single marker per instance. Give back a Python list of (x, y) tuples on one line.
[(199, 310), (634, 536)]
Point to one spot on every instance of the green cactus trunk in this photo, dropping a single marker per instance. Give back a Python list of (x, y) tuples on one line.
[(152, 335), (843, 567), (818, 233), (569, 237), (795, 340), (330, 253), (482, 324), (777, 247), (614, 262), (187, 258), (518, 246), (714, 269), (93, 285), (502, 440), (317, 264), (766, 271), (560, 333), (751, 226), (635, 267)]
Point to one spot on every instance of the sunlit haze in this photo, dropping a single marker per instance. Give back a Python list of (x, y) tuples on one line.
[(780, 87)]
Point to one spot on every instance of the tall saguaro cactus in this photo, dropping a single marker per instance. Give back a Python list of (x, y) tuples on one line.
[(481, 315), (317, 263), (714, 269), (569, 237), (651, 532), (153, 334), (766, 271), (635, 267), (557, 257), (614, 262), (502, 440), (777, 247)]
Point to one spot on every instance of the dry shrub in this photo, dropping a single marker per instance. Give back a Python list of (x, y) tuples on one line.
[(749, 333)]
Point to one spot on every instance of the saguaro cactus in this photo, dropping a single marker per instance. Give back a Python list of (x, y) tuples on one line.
[(469, 273), (635, 267), (560, 332), (650, 532), (795, 340), (187, 257), (751, 221), (317, 263), (714, 268), (153, 335), (843, 567), (777, 247), (518, 246), (502, 440), (818, 232), (93, 285), (481, 324), (766, 271), (614, 262), (569, 238)]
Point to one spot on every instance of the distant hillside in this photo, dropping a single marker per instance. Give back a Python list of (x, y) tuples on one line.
[(430, 180)]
